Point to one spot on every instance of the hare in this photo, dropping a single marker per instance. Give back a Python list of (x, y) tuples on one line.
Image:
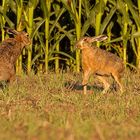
[(10, 49), (100, 62)]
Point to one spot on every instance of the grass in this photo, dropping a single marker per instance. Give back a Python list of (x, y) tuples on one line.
[(52, 107)]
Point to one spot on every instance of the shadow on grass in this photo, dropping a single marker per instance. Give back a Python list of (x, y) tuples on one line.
[(3, 85), (77, 86)]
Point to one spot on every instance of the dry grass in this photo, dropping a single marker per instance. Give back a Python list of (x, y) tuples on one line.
[(52, 107)]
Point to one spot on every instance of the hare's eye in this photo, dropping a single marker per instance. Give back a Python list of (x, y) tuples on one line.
[(85, 39), (27, 34)]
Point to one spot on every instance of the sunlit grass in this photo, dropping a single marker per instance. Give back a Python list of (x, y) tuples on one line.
[(53, 107)]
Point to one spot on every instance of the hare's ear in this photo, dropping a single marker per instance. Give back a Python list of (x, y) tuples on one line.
[(98, 38), (10, 31)]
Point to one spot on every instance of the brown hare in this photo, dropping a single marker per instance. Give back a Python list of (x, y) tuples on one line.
[(100, 62), (10, 49)]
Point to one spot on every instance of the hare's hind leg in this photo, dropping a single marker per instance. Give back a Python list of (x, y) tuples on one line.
[(4, 75), (117, 78), (105, 83), (12, 79)]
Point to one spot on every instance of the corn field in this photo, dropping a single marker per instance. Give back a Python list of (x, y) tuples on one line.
[(55, 25)]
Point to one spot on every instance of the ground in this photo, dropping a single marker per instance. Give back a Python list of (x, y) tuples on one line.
[(52, 106)]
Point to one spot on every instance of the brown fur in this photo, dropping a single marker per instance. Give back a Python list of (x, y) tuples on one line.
[(99, 62), (10, 49)]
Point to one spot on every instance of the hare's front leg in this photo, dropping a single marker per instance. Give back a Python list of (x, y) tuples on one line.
[(12, 77), (86, 76)]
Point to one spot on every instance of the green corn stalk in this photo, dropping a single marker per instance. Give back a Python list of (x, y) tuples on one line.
[(78, 34), (46, 6), (29, 30), (98, 18), (3, 16), (75, 12), (101, 8), (101, 5), (57, 10), (57, 59), (47, 34), (19, 12), (138, 58), (29, 18), (77, 21), (2, 19), (94, 14), (136, 15), (52, 26), (125, 30), (54, 51), (124, 22), (39, 45), (132, 40), (125, 44)]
